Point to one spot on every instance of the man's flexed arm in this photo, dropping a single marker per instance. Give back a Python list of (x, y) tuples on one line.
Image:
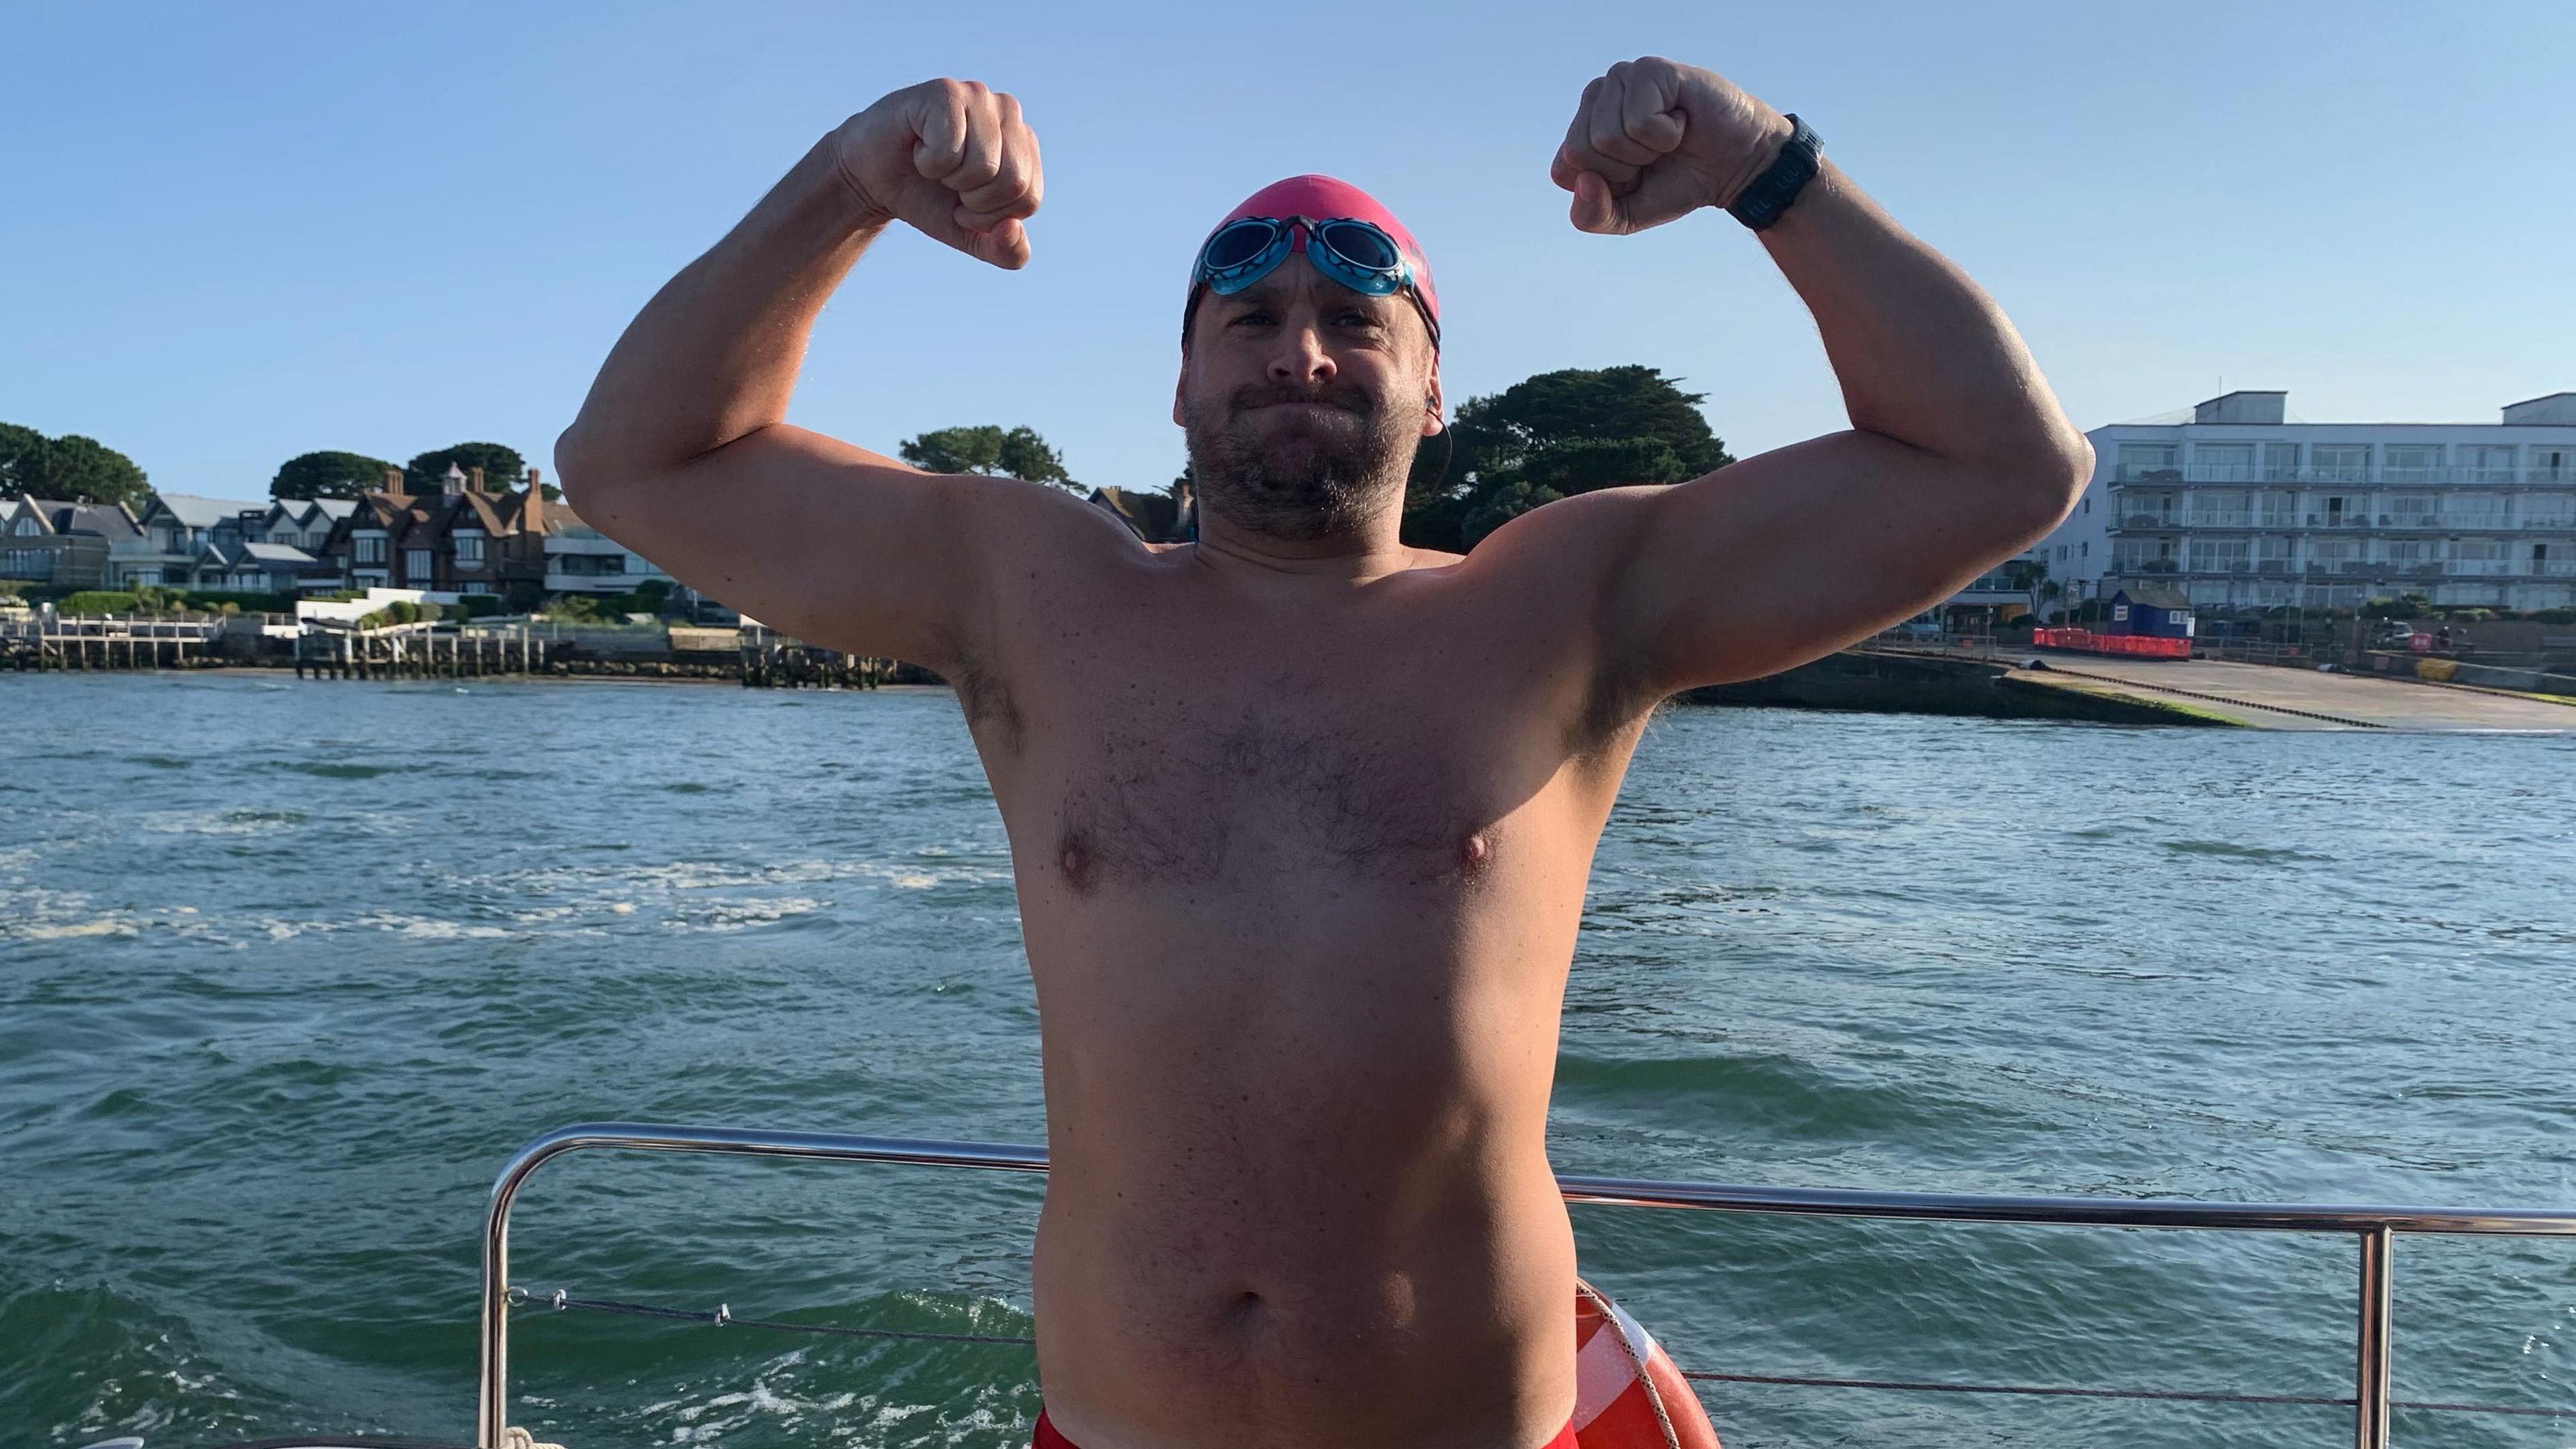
[(682, 453), (1958, 455)]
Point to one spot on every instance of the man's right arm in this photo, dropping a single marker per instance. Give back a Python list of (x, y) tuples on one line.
[(682, 451)]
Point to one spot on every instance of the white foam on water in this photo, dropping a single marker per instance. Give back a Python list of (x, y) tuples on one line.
[(84, 928), (429, 928), (742, 914)]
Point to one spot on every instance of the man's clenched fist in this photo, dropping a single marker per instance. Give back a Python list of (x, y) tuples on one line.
[(1655, 139), (951, 157)]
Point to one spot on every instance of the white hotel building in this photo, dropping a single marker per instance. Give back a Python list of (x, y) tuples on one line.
[(2241, 509)]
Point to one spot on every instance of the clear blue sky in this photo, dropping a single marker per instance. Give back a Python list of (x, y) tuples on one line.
[(236, 233)]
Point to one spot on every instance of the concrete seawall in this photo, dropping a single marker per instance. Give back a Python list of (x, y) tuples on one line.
[(2141, 691), (1893, 682)]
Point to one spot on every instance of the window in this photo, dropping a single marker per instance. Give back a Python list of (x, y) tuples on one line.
[(2223, 462), (2119, 613), (2340, 462), (2551, 464), (2222, 508), (28, 527), (416, 565), (2084, 549), (2418, 510), (2137, 460), (2280, 461), (370, 548), (2413, 462), (469, 550), (2220, 555), (2489, 463)]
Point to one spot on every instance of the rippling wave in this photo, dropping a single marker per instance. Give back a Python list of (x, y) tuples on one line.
[(287, 971)]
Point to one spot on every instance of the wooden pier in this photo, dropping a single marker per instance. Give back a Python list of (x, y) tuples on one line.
[(422, 650), (133, 641)]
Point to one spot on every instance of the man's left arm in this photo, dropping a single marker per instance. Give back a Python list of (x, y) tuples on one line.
[(1958, 456)]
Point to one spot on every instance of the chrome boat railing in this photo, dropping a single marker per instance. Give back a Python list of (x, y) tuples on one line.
[(2374, 1228)]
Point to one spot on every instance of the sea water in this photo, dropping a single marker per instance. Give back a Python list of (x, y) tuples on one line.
[(288, 970)]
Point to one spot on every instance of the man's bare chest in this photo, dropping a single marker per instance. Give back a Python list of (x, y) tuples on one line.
[(1207, 790), (1182, 746), (1178, 772)]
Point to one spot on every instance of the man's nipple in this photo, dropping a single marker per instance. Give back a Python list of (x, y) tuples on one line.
[(1076, 863), (1474, 851)]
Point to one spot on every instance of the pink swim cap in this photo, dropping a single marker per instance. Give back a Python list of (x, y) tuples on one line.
[(1325, 198)]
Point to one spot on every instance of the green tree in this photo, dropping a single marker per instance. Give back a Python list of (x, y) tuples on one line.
[(83, 470), (24, 455), (328, 475), (1549, 437), (502, 466), (1017, 453)]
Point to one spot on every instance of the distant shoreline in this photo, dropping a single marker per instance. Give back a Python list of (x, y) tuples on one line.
[(271, 671)]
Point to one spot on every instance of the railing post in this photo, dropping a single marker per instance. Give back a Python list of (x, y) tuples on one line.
[(2370, 1391)]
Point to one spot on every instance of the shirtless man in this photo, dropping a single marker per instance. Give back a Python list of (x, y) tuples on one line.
[(1301, 817)]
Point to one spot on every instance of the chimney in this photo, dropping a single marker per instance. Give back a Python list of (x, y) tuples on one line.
[(393, 479), (473, 480), (532, 508)]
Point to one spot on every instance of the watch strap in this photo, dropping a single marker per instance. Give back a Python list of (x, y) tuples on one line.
[(1769, 194)]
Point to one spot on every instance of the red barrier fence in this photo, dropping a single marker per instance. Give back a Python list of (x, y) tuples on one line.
[(2085, 641)]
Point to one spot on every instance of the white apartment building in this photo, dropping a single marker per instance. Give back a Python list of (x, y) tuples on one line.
[(2240, 509)]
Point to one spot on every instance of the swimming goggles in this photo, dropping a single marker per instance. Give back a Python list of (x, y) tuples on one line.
[(1357, 254)]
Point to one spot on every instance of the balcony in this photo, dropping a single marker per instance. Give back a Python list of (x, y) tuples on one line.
[(2346, 477)]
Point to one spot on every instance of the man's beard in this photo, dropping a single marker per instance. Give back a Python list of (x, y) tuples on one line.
[(1304, 477)]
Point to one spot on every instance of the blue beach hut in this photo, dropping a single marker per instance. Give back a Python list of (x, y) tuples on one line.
[(2157, 613)]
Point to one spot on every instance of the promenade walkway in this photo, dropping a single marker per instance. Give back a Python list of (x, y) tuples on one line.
[(2268, 696)]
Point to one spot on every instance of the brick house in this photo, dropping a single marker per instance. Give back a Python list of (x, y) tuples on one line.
[(462, 539)]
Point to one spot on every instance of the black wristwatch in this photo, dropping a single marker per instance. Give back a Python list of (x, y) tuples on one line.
[(1769, 194)]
